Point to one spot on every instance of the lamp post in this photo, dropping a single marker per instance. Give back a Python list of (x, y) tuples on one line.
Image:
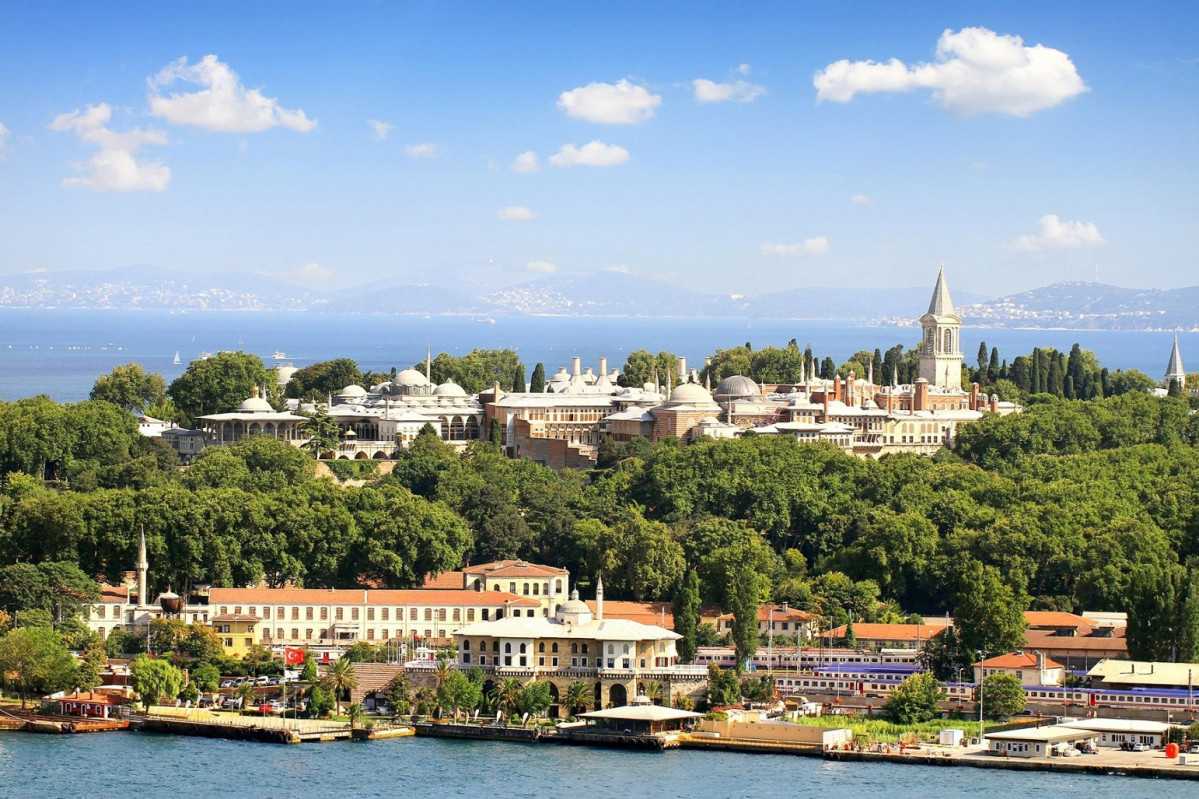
[(982, 733)]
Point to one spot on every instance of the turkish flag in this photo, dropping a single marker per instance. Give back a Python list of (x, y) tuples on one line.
[(293, 656)]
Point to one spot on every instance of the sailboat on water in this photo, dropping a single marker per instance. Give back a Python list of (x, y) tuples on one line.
[(177, 361)]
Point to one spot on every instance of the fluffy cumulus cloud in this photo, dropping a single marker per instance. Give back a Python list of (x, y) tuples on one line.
[(114, 167), (423, 150), (977, 71), (541, 266), (1060, 234), (813, 246), (380, 130), (311, 272), (526, 162), (593, 153), (620, 103), (515, 213), (222, 104)]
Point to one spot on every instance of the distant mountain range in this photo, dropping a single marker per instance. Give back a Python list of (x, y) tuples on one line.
[(490, 289)]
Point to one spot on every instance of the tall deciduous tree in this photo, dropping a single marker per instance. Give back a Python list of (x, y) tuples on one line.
[(989, 615), (914, 700), (35, 662), (217, 384), (317, 381), (154, 680), (537, 381), (1003, 696), (131, 388)]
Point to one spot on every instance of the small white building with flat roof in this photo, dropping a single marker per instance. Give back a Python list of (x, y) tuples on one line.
[(1033, 742), (1115, 732)]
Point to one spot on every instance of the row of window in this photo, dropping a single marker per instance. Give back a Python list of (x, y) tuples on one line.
[(384, 614), (383, 634)]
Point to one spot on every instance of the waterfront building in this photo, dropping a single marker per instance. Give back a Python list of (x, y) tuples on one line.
[(1117, 732), (1130, 675), (640, 717), (547, 585), (236, 632), (616, 658), (1039, 741)]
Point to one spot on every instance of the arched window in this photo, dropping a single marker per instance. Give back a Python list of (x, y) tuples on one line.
[(495, 646), (554, 648), (507, 649), (465, 646), (523, 649), (574, 649), (541, 647)]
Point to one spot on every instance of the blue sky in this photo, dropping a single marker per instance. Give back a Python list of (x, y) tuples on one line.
[(734, 147)]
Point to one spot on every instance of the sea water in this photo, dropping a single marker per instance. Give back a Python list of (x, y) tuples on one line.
[(140, 764), (61, 352)]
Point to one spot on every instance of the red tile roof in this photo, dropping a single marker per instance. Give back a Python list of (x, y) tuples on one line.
[(656, 613), (113, 593), (515, 568), (890, 632), (1086, 641), (1018, 660), (1055, 618), (446, 581)]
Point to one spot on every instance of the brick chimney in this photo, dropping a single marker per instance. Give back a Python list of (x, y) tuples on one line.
[(920, 399)]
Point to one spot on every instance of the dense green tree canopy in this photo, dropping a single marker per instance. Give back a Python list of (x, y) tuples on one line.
[(131, 388), (317, 381), (218, 384)]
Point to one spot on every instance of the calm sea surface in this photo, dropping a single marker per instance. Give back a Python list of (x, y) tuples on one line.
[(60, 353), (134, 764)]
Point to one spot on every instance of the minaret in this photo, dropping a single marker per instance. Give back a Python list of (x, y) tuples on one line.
[(1174, 370), (143, 565), (429, 363), (599, 598), (940, 350)]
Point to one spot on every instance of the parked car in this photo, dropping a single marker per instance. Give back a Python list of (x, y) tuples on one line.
[(263, 680), (1193, 749), (272, 681), (228, 683), (1140, 747)]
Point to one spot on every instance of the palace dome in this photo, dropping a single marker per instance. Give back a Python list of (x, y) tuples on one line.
[(410, 377), (738, 387), (691, 393), (449, 389), (255, 404)]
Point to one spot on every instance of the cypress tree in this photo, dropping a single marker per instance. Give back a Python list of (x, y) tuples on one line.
[(686, 616), (497, 433), (993, 368), (538, 381), (828, 369), (518, 379), (982, 356)]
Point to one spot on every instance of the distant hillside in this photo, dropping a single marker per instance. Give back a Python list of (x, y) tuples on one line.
[(1090, 306), (491, 288)]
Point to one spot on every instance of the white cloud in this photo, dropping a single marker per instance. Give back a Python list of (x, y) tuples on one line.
[(861, 199), (541, 266), (380, 130), (515, 213), (223, 105), (526, 162), (814, 246), (594, 153), (621, 268), (424, 150), (620, 103), (739, 91), (977, 71), (311, 272), (114, 167), (3, 139), (1060, 234)]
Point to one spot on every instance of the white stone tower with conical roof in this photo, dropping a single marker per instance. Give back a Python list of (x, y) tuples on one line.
[(940, 348), (1174, 370)]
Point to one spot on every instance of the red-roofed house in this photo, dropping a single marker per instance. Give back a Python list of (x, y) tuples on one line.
[(1030, 669), (549, 585), (780, 621), (886, 636)]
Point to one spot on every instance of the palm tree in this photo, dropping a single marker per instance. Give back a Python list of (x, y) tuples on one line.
[(578, 698), (654, 691), (246, 693), (340, 679), (441, 671), (356, 711), (508, 696)]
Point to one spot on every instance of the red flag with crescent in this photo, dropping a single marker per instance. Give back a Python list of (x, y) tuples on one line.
[(293, 656)]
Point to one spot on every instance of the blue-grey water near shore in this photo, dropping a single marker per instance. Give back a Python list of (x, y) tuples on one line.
[(60, 353), (124, 764)]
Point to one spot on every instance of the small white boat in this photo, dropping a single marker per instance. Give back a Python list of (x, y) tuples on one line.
[(177, 360), (280, 355)]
